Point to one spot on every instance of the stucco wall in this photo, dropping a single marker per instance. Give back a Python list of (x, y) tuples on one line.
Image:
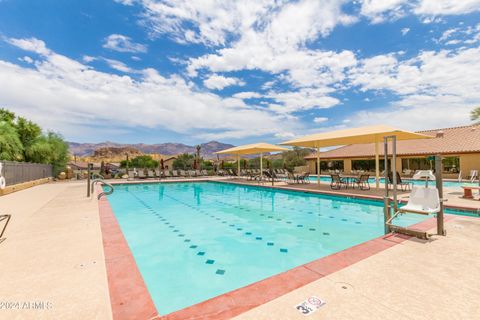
[(468, 162)]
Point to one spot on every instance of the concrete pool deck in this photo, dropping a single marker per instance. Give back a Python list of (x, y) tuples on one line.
[(54, 253)]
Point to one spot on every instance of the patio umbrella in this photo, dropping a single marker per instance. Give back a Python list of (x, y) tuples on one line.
[(362, 135), (252, 149)]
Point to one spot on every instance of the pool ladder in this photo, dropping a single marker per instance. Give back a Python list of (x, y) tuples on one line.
[(102, 183)]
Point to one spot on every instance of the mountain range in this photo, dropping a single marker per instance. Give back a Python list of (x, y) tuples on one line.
[(207, 149)]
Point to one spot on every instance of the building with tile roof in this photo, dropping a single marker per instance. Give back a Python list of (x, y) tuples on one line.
[(460, 147)]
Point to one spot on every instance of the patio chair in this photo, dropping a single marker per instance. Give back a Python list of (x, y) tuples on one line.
[(198, 173), (182, 173), (204, 172), (175, 174), (337, 183), (150, 174), (304, 178), (166, 174), (362, 182), (404, 185)]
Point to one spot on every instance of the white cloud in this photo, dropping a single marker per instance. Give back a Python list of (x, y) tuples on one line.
[(320, 119), (125, 2), (247, 95), (26, 59), (281, 50), (284, 135), (30, 44), (121, 43), (118, 65), (434, 89), (71, 97), (218, 82), (381, 10), (447, 7), (404, 31), (88, 59)]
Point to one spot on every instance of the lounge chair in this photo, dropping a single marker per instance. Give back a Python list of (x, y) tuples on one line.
[(473, 175), (337, 182), (150, 174), (141, 174), (175, 173), (166, 174), (182, 173)]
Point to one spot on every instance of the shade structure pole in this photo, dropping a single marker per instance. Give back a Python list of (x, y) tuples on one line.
[(394, 172), (238, 165), (439, 184), (318, 165), (261, 166), (377, 164), (386, 199)]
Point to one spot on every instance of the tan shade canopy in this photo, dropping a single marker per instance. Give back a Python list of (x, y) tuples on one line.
[(353, 136), (252, 149)]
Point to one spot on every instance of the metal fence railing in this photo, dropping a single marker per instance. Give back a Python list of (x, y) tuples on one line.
[(18, 172)]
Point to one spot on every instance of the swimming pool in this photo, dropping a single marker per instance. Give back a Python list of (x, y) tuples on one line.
[(446, 184), (194, 241)]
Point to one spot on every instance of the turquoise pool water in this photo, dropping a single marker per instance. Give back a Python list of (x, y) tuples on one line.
[(194, 241), (447, 184)]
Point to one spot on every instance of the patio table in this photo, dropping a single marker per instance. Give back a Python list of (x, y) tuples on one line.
[(349, 180)]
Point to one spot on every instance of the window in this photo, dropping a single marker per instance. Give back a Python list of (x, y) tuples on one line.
[(417, 164), (331, 165), (451, 164)]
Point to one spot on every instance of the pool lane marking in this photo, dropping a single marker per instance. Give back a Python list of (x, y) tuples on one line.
[(232, 225), (193, 246)]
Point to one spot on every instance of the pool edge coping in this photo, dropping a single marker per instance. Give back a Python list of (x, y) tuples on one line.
[(232, 303), (119, 262)]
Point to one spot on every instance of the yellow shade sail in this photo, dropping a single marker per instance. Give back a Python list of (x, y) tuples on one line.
[(252, 149), (361, 135)]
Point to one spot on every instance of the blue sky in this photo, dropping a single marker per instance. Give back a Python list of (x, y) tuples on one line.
[(154, 71)]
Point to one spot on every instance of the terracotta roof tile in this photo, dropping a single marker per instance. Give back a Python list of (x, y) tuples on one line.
[(446, 141)]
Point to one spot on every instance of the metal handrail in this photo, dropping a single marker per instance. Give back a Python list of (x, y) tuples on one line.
[(103, 183), (107, 192), (97, 176)]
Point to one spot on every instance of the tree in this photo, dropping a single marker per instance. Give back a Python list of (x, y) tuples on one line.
[(10, 145), (296, 157), (51, 149), (144, 161), (183, 161), (27, 132), (475, 115), (7, 116), (22, 140)]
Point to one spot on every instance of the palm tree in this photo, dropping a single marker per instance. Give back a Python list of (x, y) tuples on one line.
[(475, 115)]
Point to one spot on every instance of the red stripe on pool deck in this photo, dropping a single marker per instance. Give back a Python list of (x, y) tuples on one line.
[(129, 296)]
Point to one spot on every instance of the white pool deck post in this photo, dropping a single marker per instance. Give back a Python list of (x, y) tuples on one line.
[(318, 165)]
